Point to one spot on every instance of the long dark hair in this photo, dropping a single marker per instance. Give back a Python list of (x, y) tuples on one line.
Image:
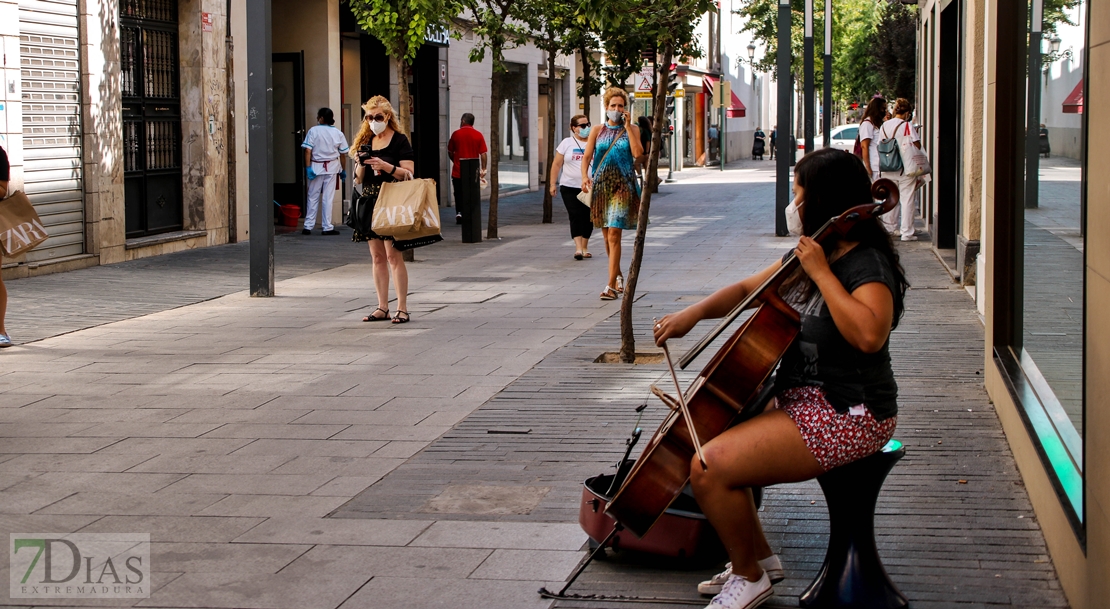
[(875, 112), (834, 182)]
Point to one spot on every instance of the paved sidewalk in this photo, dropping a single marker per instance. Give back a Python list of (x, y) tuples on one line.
[(283, 454)]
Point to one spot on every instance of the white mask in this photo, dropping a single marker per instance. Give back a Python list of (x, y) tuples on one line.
[(793, 219), (377, 127), (614, 115)]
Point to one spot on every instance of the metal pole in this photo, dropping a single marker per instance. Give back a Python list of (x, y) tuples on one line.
[(782, 175), (808, 85), (725, 95), (826, 110), (260, 139), (1033, 121)]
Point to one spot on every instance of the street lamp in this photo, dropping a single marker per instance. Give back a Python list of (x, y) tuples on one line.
[(1054, 44), (751, 51)]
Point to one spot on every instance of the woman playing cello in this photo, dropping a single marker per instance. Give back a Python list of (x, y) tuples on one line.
[(835, 390)]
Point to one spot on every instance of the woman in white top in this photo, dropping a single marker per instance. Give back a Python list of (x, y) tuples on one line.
[(323, 145), (899, 127), (568, 166), (868, 129)]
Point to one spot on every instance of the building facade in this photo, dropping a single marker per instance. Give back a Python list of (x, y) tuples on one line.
[(1017, 212)]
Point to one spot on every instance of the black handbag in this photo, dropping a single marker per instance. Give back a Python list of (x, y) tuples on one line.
[(360, 217)]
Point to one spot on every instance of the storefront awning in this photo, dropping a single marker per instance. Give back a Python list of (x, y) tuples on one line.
[(736, 107), (1074, 102)]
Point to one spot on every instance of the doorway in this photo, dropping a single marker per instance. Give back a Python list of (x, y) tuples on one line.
[(151, 118), (424, 91), (289, 129), (947, 187)]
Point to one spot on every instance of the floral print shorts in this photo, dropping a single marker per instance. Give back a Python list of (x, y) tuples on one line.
[(834, 438)]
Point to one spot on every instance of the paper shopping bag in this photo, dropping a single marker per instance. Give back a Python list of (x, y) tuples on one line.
[(407, 210), (20, 227)]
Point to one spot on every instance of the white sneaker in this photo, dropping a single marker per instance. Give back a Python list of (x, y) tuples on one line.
[(739, 593), (772, 565), (909, 237), (5, 341)]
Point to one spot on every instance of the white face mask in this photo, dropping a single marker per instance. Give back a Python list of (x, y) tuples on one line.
[(614, 115), (377, 127), (794, 219)]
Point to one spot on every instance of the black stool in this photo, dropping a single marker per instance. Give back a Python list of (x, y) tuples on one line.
[(853, 575)]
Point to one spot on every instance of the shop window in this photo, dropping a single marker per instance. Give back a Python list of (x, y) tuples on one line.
[(1042, 351), (512, 164)]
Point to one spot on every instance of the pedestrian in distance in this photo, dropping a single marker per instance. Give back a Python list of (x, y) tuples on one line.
[(5, 175), (899, 221), (324, 145), (465, 143), (615, 202), (868, 129), (774, 140), (567, 165), (384, 155), (759, 144), (645, 124), (835, 392)]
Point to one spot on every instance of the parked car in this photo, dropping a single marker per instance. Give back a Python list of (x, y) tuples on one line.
[(842, 137)]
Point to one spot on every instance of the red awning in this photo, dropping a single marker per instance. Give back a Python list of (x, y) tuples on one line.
[(1074, 102), (736, 108)]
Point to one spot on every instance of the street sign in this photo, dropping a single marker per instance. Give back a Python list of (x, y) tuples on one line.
[(642, 95), (724, 96), (680, 92), (644, 82)]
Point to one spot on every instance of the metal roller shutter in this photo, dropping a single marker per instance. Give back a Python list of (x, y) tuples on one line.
[(52, 170)]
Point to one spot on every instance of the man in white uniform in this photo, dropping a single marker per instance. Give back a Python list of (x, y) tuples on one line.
[(323, 146)]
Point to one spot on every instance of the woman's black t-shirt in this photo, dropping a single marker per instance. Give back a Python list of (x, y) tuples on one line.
[(398, 149), (820, 356), (5, 168)]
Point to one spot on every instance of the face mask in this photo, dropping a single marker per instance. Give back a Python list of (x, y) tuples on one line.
[(377, 127), (614, 116), (793, 219), (584, 132)]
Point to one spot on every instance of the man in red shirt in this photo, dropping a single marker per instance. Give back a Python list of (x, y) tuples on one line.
[(466, 143)]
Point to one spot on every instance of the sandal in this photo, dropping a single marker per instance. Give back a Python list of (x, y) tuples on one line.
[(587, 255), (372, 317), (577, 255), (620, 284), (397, 319), (608, 293)]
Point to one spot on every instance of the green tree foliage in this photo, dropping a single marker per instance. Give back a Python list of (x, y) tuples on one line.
[(1055, 13), (401, 26), (894, 51), (499, 25)]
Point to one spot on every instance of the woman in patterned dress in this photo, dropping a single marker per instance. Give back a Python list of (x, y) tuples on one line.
[(616, 194)]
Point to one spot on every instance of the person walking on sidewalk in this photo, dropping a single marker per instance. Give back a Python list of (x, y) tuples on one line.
[(615, 204), (568, 166), (868, 129), (384, 155), (900, 128), (465, 143), (323, 146), (774, 140), (835, 392), (5, 175)]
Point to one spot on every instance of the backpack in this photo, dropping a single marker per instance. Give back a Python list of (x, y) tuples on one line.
[(890, 156)]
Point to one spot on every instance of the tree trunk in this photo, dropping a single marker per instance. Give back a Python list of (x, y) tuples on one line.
[(582, 52), (550, 131), (404, 118), (628, 339), (494, 146)]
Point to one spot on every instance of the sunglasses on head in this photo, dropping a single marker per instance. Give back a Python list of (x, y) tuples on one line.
[(376, 117)]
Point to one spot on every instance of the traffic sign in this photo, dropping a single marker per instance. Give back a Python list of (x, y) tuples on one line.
[(644, 83), (642, 95), (680, 92)]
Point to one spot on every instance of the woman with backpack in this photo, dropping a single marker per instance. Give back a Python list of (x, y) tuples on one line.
[(901, 130)]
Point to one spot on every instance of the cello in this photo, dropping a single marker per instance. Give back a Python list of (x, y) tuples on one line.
[(731, 388)]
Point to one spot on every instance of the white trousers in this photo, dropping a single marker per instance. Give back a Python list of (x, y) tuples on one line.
[(321, 190), (901, 218)]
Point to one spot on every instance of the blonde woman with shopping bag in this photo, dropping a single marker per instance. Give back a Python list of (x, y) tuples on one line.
[(384, 155)]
